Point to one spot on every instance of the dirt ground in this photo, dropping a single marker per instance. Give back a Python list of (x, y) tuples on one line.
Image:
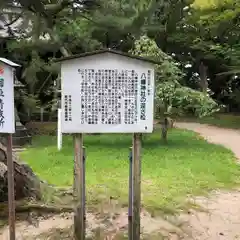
[(229, 138), (58, 227), (220, 219)]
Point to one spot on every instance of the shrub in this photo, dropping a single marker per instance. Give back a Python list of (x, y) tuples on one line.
[(42, 128)]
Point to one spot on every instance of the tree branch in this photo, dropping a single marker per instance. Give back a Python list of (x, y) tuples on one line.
[(55, 38), (14, 20)]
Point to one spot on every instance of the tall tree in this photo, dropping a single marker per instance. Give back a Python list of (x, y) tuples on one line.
[(206, 37), (172, 98)]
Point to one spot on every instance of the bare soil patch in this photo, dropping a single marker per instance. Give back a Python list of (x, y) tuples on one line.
[(111, 227), (229, 138), (221, 220)]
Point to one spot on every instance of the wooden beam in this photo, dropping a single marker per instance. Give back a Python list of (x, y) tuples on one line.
[(79, 188), (130, 195), (136, 172), (11, 192)]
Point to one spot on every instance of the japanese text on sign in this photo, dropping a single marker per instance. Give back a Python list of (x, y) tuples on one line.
[(112, 97), (109, 96)]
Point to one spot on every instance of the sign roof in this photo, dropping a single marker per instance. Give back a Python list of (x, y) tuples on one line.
[(9, 63), (82, 55)]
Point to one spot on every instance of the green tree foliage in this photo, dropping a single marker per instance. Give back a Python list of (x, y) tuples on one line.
[(172, 98), (47, 29), (60, 28), (204, 34)]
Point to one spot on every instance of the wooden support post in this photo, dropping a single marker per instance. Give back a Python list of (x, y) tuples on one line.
[(11, 192), (130, 195), (136, 185), (41, 114), (59, 129), (84, 190), (79, 188)]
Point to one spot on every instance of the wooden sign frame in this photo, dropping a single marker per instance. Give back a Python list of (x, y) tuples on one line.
[(7, 76), (70, 80)]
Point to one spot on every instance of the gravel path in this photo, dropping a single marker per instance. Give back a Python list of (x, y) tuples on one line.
[(229, 138), (222, 221)]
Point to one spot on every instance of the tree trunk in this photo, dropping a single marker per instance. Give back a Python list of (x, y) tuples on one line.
[(27, 184), (164, 129), (203, 77)]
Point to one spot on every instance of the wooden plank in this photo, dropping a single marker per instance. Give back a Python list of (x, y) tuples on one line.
[(59, 130), (136, 185), (130, 200), (84, 190), (11, 192), (79, 189)]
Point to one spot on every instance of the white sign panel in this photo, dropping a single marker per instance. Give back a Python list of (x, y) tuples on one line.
[(107, 93), (7, 119)]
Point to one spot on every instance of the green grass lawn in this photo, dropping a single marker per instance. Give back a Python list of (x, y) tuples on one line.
[(219, 120), (187, 165)]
